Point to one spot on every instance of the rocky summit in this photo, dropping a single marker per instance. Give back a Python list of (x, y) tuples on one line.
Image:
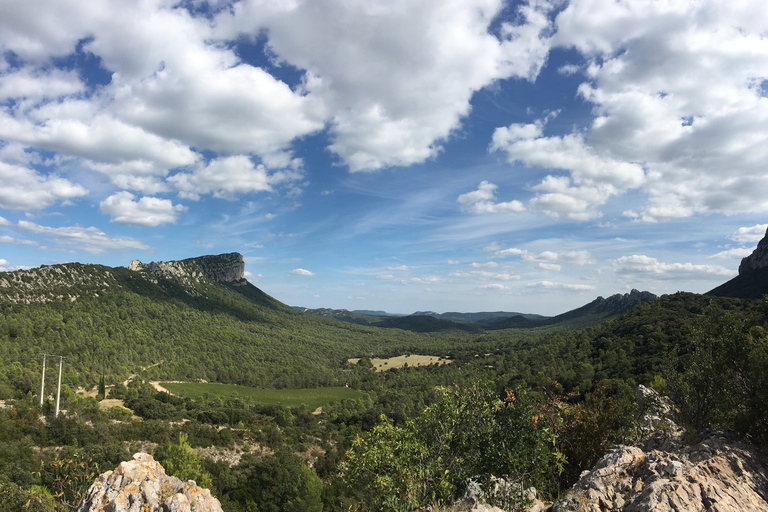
[(223, 268), (758, 259), (141, 485)]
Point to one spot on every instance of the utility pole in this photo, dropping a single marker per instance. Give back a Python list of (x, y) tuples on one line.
[(58, 388), (42, 384)]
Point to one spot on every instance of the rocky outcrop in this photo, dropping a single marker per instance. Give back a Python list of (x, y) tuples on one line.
[(619, 303), (223, 268), (49, 283), (665, 475), (141, 485), (758, 259)]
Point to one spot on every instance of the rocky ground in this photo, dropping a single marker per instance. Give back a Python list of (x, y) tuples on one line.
[(141, 484), (662, 473)]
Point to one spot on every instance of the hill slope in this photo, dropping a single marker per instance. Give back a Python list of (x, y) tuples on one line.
[(198, 316), (597, 311)]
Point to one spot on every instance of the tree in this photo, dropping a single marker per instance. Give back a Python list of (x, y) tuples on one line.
[(183, 462), (278, 483)]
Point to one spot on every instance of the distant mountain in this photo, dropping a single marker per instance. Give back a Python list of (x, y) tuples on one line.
[(415, 323), (425, 323), (375, 313), (597, 311), (345, 315), (752, 281), (593, 313), (483, 317)]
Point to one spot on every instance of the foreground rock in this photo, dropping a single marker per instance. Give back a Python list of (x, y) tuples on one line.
[(664, 475), (141, 485)]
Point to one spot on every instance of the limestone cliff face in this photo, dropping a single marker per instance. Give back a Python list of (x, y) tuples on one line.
[(142, 485), (758, 259), (223, 268)]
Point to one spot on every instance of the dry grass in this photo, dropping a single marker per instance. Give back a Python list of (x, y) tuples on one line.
[(399, 361)]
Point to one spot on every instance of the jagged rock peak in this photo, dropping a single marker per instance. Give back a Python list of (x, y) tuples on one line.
[(631, 299), (758, 259), (142, 485), (222, 268)]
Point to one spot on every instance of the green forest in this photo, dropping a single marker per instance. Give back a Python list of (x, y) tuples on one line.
[(535, 406)]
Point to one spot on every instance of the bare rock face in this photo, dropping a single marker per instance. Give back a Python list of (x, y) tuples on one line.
[(141, 485), (664, 475), (223, 268), (758, 259)]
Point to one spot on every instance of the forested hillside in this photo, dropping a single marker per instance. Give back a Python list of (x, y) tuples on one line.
[(535, 406)]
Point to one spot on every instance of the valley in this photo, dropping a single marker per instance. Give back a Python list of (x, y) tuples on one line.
[(203, 360)]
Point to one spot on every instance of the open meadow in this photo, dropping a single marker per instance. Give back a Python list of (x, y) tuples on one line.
[(312, 398)]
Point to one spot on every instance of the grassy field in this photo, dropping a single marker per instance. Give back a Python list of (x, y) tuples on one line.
[(400, 361), (312, 398)]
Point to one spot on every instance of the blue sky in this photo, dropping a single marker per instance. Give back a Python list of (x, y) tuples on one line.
[(442, 155)]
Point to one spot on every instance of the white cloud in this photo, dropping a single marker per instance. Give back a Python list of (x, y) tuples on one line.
[(640, 265), (399, 268), (731, 254), (5, 239), (29, 84), (593, 177), (553, 285), (228, 177), (395, 77), (25, 189), (484, 275), (301, 272), (489, 264), (4, 222), (678, 88), (750, 234), (91, 240), (482, 201), (549, 260), (385, 277), (423, 280), (495, 286), (147, 211)]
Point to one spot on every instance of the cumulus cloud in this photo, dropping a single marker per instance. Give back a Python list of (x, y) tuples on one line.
[(301, 272), (423, 280), (385, 277), (395, 77), (399, 268), (228, 177), (496, 286), (677, 87), (484, 275), (91, 239), (549, 260), (640, 265), (733, 254), (483, 200), (750, 234), (553, 285), (26, 189), (592, 177), (5, 239), (147, 211)]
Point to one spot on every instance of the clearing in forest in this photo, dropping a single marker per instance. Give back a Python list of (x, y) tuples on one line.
[(311, 397), (400, 361)]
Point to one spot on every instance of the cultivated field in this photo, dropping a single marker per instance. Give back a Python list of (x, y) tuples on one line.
[(400, 361), (312, 398)]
